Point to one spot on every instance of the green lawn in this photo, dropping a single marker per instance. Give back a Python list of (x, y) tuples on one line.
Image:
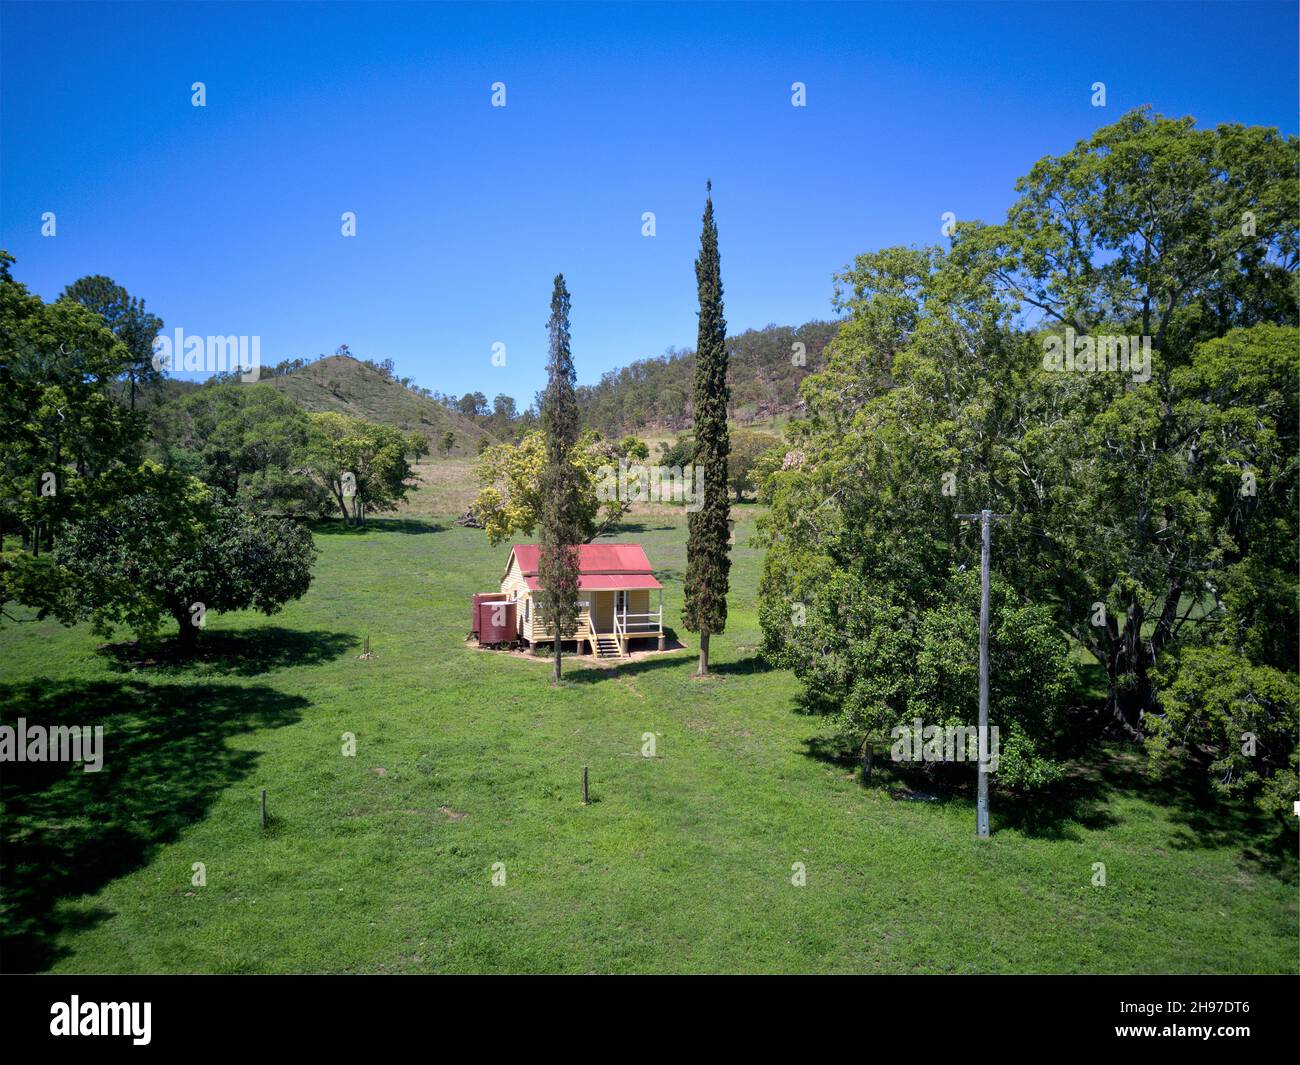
[(383, 862)]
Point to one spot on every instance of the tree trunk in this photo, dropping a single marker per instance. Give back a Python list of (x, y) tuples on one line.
[(187, 634), (703, 671), (1130, 695), (555, 676)]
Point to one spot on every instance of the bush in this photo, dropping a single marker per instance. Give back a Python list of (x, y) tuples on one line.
[(874, 666), (1238, 719)]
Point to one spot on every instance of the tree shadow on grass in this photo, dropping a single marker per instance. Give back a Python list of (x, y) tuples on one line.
[(1079, 801), (66, 832), (241, 653), (634, 528), (1083, 800), (587, 674), (745, 666), (1204, 818), (413, 526)]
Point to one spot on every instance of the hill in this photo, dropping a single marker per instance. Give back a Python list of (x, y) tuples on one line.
[(763, 374), (344, 384)]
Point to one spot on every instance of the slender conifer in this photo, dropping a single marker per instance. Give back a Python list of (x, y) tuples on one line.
[(561, 517), (708, 557)]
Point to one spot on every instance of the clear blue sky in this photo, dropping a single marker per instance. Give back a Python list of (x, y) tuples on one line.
[(227, 218)]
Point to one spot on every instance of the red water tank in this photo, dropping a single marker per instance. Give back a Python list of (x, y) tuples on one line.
[(480, 597), (496, 621)]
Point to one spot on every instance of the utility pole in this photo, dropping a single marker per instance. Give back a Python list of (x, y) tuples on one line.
[(986, 518)]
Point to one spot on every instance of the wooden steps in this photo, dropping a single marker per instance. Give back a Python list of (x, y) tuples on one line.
[(607, 646)]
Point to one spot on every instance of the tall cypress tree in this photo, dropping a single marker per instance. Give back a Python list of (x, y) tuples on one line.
[(707, 556), (561, 518)]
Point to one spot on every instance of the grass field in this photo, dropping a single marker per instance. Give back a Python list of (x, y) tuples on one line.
[(383, 862)]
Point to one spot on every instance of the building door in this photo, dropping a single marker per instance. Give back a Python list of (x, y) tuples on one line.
[(602, 611)]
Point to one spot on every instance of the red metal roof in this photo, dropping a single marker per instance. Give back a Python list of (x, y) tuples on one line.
[(593, 559), (604, 582)]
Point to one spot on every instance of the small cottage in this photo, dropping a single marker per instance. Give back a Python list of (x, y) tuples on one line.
[(619, 599)]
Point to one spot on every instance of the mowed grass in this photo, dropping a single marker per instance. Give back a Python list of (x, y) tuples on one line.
[(384, 862)]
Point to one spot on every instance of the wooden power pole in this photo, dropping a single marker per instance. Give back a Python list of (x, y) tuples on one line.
[(986, 519)]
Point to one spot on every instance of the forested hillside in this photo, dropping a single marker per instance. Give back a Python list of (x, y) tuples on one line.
[(346, 385), (764, 372)]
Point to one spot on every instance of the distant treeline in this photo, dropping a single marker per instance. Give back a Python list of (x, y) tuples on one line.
[(765, 369)]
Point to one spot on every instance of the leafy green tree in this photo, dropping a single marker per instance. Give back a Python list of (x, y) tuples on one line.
[(251, 441), (283, 492), (1227, 694), (1155, 228), (747, 448), (449, 441), (1183, 233), (1188, 487), (707, 553), (877, 660), (511, 486), (363, 465), (768, 464), (175, 548), (562, 524), (681, 452), (632, 448), (504, 417), (472, 405), (417, 445), (869, 591), (1234, 717), (66, 446), (1147, 515), (126, 318)]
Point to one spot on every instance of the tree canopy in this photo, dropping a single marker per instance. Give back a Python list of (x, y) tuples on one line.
[(364, 465), (1144, 515), (68, 446), (174, 548)]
